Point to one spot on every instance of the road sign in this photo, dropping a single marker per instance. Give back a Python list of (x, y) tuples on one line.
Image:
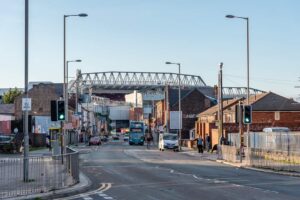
[(26, 104), (175, 120)]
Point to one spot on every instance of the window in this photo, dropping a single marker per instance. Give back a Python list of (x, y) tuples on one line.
[(277, 116)]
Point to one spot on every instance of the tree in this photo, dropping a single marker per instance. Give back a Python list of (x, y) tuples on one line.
[(10, 96)]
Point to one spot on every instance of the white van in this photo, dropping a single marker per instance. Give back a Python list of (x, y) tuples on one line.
[(168, 141), (276, 129)]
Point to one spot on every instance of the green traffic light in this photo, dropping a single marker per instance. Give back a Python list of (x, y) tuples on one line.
[(61, 117)]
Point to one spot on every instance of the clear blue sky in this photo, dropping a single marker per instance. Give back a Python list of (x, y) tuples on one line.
[(140, 35)]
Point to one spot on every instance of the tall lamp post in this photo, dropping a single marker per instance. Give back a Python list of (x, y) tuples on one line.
[(65, 92), (179, 103), (248, 93), (25, 120)]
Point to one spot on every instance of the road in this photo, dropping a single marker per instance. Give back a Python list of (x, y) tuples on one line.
[(122, 172)]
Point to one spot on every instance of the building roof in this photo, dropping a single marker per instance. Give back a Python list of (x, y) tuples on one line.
[(57, 86), (261, 102), (173, 93), (214, 109), (274, 102), (7, 109)]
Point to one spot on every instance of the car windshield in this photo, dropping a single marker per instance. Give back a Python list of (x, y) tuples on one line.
[(135, 135), (170, 137), (96, 138)]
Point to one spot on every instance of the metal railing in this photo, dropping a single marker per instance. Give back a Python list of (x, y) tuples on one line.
[(230, 153), (275, 160), (46, 173), (276, 150)]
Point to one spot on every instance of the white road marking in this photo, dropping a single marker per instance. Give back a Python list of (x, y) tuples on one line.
[(102, 188), (108, 186), (102, 195), (108, 198), (87, 198)]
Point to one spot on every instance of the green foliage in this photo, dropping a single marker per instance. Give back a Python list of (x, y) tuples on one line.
[(10, 96)]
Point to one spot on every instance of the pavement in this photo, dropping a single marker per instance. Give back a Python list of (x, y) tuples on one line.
[(214, 157), (83, 184)]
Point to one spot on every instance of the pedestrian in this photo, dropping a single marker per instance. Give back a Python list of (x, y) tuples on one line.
[(149, 138), (207, 142), (200, 144)]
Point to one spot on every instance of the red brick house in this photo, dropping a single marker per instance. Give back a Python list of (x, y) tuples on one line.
[(268, 110), (193, 101)]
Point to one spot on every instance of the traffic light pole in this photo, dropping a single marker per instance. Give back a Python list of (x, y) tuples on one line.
[(241, 131), (61, 142)]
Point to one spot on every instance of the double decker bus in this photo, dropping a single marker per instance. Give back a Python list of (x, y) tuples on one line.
[(136, 133)]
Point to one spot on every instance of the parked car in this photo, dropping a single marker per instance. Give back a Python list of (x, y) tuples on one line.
[(104, 138), (276, 129), (115, 137), (168, 141), (126, 137), (9, 144), (95, 140)]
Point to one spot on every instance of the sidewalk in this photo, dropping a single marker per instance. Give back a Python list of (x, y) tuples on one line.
[(214, 157), (205, 155), (81, 186), (43, 172)]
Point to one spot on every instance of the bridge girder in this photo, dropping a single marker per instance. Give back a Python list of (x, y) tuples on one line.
[(143, 81)]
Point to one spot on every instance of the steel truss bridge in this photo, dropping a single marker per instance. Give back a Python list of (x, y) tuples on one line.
[(126, 82)]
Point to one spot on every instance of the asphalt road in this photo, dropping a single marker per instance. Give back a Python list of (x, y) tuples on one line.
[(123, 172)]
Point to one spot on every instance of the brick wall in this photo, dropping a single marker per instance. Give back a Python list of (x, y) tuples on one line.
[(191, 105), (41, 96)]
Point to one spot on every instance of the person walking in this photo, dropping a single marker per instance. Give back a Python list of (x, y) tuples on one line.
[(207, 142), (200, 144), (149, 138)]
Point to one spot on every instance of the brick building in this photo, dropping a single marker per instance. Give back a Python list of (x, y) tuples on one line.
[(268, 110), (193, 101), (41, 96)]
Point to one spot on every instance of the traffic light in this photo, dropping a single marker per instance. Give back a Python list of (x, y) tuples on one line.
[(238, 113), (54, 110), (247, 117), (61, 110)]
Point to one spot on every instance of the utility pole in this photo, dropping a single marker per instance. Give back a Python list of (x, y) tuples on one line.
[(220, 112), (25, 122), (220, 100), (167, 108)]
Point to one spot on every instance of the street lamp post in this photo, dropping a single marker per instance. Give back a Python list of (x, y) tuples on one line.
[(25, 120), (179, 102), (65, 92), (248, 93)]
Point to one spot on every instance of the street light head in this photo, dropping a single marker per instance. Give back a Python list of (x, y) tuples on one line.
[(230, 16), (82, 15), (77, 60), (168, 63), (221, 64)]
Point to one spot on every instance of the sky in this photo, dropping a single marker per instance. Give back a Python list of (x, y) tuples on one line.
[(141, 35)]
